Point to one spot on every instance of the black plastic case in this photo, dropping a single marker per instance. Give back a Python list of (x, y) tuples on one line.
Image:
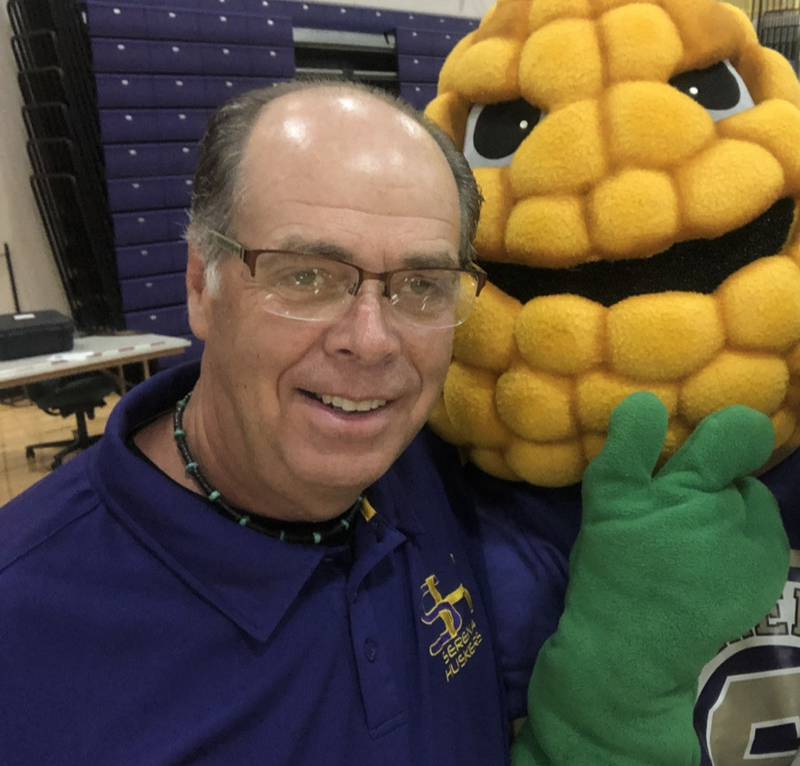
[(34, 333)]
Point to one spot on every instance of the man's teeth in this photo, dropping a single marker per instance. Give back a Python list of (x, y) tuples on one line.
[(348, 405)]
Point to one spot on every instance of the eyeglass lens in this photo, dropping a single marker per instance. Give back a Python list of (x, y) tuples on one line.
[(314, 288)]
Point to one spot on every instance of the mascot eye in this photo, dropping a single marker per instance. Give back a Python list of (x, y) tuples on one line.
[(720, 89), (495, 131)]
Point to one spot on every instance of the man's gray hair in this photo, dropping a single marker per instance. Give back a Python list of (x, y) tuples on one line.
[(216, 190)]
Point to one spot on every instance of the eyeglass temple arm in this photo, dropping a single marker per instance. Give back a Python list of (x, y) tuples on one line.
[(231, 245), (482, 276)]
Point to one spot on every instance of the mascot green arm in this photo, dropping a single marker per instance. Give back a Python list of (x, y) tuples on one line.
[(669, 565)]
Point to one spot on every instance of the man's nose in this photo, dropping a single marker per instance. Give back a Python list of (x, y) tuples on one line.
[(367, 331)]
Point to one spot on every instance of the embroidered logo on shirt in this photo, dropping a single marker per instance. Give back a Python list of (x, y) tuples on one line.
[(459, 637)]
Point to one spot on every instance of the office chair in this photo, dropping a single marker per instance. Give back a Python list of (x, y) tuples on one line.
[(79, 396)]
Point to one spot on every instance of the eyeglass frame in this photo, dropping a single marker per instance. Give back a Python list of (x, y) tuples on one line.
[(249, 257)]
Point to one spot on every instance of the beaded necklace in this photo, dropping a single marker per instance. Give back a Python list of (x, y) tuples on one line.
[(305, 533)]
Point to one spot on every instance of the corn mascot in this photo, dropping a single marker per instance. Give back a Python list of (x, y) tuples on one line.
[(640, 165)]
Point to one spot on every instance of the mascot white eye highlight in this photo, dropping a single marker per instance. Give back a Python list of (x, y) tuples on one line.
[(719, 88), (495, 131)]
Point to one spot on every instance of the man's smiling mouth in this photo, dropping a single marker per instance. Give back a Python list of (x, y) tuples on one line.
[(342, 404), (698, 265)]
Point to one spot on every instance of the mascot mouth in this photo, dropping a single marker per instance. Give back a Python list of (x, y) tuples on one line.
[(698, 265)]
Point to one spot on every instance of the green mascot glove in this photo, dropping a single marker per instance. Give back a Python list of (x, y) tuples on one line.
[(668, 566)]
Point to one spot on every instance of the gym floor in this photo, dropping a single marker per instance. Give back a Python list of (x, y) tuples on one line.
[(22, 423)]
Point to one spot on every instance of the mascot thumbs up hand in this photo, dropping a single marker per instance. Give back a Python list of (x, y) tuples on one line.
[(657, 552)]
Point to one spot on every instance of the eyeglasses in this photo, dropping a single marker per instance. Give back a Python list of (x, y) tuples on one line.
[(315, 288)]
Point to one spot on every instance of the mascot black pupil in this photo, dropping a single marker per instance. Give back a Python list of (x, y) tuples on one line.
[(502, 127), (714, 88)]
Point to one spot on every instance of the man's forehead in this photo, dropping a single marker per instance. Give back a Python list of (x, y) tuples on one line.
[(309, 120), (334, 147)]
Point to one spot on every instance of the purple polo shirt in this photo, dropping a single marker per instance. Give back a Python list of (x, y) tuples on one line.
[(137, 626)]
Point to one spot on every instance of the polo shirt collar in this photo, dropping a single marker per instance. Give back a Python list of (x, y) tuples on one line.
[(251, 578)]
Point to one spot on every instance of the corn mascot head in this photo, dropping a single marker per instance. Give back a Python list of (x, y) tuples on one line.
[(640, 164)]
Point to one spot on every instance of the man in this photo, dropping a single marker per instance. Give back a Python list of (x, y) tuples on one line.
[(288, 620), (263, 562)]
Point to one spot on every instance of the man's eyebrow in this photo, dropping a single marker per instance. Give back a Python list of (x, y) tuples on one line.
[(295, 244), (440, 260), (324, 249)]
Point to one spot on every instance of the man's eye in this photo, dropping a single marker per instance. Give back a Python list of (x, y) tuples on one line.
[(719, 88), (496, 131), (422, 286), (427, 291), (306, 280)]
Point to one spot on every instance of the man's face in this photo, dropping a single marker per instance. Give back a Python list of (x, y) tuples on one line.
[(333, 169)]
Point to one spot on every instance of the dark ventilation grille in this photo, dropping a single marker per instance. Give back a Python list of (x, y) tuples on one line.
[(778, 26)]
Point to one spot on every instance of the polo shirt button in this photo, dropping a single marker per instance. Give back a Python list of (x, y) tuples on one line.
[(370, 650)]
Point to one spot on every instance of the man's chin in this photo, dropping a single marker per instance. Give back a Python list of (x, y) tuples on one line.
[(348, 469)]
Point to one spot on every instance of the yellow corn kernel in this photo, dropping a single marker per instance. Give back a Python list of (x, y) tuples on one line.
[(768, 75), (604, 6), (792, 249), (628, 35), (450, 111), (727, 186), (535, 405), (790, 446), (486, 339), (665, 336), (497, 59), (447, 75), (561, 63), (677, 433), (784, 422), (497, 204), (774, 125), (634, 212), (548, 231), (547, 465), (544, 11), (494, 463), (593, 445), (708, 31), (561, 334), (565, 153), (441, 424), (653, 125), (469, 400), (599, 393), (760, 305), (754, 380), (508, 18)]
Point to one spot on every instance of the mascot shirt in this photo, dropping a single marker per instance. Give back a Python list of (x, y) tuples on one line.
[(748, 704)]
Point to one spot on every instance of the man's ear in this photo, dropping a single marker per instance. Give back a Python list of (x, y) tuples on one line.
[(198, 297)]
